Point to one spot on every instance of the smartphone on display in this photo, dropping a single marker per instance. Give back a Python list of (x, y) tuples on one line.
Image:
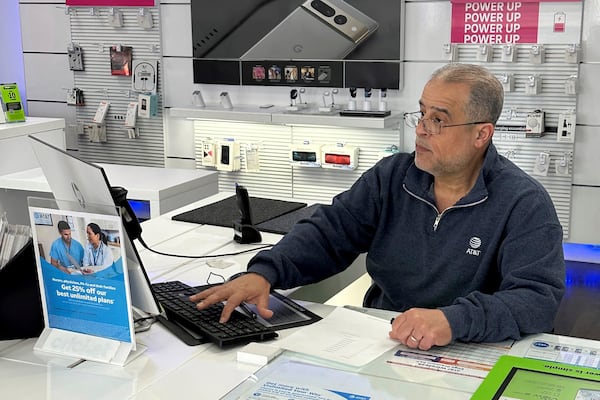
[(225, 155), (317, 29)]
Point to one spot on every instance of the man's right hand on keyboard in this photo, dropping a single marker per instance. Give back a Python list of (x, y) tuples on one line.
[(250, 288)]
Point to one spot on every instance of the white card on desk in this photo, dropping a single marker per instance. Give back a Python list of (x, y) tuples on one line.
[(258, 353), (344, 336)]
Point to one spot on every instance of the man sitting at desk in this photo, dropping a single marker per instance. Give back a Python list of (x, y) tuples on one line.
[(461, 241)]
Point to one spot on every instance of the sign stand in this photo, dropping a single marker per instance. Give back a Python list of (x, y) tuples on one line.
[(85, 295)]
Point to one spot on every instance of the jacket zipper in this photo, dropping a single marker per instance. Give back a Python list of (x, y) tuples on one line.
[(439, 214)]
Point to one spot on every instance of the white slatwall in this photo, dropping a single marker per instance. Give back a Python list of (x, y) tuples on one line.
[(277, 177), (523, 152), (323, 184), (274, 178), (554, 72), (95, 36)]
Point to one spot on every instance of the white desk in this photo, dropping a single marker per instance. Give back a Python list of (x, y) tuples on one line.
[(162, 228), (158, 230), (166, 189), (162, 189), (16, 153), (170, 369)]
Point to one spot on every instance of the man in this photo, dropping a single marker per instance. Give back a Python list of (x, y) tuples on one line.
[(460, 240), (64, 247)]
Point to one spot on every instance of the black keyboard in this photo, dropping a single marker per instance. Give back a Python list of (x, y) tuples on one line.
[(240, 329)]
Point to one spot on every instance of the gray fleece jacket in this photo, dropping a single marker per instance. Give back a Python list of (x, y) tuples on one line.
[(493, 263)]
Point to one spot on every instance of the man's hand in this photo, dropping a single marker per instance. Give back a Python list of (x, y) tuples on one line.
[(59, 266), (249, 288), (421, 328)]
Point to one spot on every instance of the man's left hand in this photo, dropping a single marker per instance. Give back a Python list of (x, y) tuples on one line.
[(421, 328)]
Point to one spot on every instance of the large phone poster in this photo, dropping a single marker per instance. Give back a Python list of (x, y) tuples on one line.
[(81, 265), (296, 29), (297, 42)]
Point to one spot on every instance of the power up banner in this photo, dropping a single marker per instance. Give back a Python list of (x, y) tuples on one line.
[(527, 21)]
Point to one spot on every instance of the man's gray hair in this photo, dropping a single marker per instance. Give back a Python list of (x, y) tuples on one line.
[(487, 94)]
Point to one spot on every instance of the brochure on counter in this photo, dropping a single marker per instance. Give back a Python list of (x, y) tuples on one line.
[(288, 378)]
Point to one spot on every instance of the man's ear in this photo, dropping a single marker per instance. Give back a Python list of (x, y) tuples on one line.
[(484, 134)]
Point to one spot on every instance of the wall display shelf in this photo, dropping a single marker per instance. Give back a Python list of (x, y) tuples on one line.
[(302, 118), (271, 132), (238, 113), (278, 115)]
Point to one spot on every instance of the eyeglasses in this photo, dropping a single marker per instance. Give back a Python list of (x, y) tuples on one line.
[(431, 126)]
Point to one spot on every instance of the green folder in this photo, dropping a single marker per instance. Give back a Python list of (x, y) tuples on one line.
[(532, 379)]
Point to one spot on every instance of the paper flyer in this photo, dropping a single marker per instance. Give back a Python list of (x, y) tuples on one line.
[(565, 353), (472, 359), (287, 379)]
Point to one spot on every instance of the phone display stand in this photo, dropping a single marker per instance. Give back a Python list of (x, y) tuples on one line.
[(245, 233), (244, 230)]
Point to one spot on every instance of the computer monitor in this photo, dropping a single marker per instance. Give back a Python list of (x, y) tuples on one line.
[(74, 181)]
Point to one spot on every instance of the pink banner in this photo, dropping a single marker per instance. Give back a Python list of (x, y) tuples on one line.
[(110, 3), (493, 22)]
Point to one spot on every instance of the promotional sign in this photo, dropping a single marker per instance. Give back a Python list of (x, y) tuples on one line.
[(84, 284), (320, 43), (527, 21)]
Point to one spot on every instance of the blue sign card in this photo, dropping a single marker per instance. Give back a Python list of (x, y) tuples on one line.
[(84, 283)]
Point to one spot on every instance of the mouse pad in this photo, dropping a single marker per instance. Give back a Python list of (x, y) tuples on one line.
[(224, 212)]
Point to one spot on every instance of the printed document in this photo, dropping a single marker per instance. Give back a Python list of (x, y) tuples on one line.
[(288, 379), (344, 336)]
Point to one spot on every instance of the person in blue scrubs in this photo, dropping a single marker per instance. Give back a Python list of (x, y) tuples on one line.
[(64, 248)]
